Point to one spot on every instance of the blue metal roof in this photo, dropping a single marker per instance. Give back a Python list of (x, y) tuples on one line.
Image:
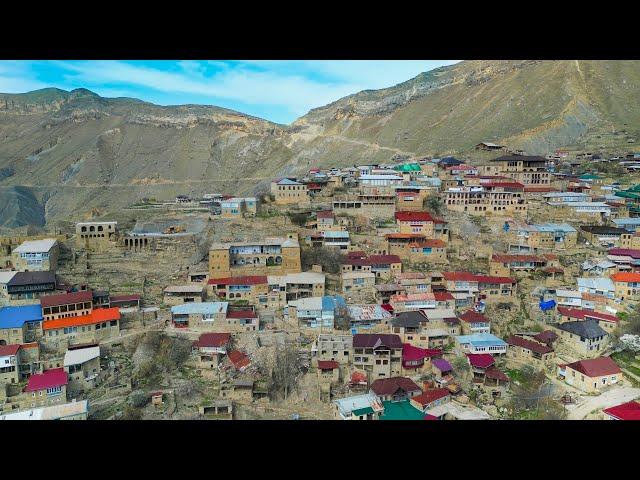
[(331, 303), (194, 308), (15, 317)]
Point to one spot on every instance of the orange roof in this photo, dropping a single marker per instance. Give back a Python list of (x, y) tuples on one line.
[(97, 316), (625, 277), (404, 235)]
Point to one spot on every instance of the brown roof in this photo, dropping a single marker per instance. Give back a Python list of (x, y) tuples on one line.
[(66, 298), (471, 316), (389, 386), (529, 345)]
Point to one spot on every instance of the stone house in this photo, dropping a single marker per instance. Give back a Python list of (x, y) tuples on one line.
[(378, 355), (591, 375)]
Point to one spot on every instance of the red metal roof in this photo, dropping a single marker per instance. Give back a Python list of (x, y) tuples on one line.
[(496, 374), (410, 352), (430, 396), (584, 314), (472, 277), (239, 359), (595, 367), (442, 296), (241, 314), (56, 377), (480, 360), (404, 235), (327, 364), (66, 298), (324, 214), (6, 350), (625, 252), (517, 185), (471, 316), (243, 280), (213, 340), (414, 217), (625, 411), (503, 258)]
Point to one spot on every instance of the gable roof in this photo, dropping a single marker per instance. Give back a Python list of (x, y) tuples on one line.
[(471, 316), (327, 365), (625, 411), (7, 350), (411, 319), (536, 347), (239, 359), (595, 367), (480, 360), (56, 377), (586, 314), (389, 386), (375, 340), (430, 396)]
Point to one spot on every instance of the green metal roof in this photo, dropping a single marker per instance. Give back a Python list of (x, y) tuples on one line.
[(401, 411), (408, 167), (362, 411), (589, 176)]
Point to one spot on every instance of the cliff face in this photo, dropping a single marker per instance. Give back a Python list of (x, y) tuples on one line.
[(69, 152)]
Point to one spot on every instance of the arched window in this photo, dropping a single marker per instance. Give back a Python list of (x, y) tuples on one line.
[(100, 228), (92, 228), (83, 229)]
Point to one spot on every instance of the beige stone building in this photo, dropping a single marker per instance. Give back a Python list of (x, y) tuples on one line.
[(289, 192), (100, 324), (528, 351), (96, 236), (82, 363), (334, 347), (543, 236), (591, 375), (65, 305), (526, 169), (271, 256), (499, 198), (36, 255), (177, 294), (358, 284), (201, 316), (378, 355)]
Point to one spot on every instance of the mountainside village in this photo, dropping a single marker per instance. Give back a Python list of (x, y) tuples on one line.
[(499, 287)]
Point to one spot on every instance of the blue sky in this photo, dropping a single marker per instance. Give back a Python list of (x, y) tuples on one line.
[(277, 90)]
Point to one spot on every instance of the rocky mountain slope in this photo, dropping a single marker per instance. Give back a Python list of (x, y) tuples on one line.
[(63, 154)]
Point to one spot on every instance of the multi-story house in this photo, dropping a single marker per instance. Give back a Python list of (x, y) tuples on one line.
[(211, 348), (82, 363), (383, 266), (238, 207), (288, 191), (543, 236), (37, 255), (394, 389), (481, 343), (505, 264), (66, 305), (275, 256), (20, 324), (499, 198), (378, 355), (422, 223), (467, 286), (316, 312), (583, 336), (96, 236), (100, 324), (46, 389), (606, 321), (333, 347), (626, 285), (9, 365), (412, 301), (30, 285), (474, 322), (207, 316), (526, 169)]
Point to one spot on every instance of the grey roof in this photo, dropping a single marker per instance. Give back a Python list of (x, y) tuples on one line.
[(409, 319), (584, 328), (30, 278)]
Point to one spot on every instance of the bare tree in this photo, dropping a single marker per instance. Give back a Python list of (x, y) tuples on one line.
[(342, 318), (286, 371)]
